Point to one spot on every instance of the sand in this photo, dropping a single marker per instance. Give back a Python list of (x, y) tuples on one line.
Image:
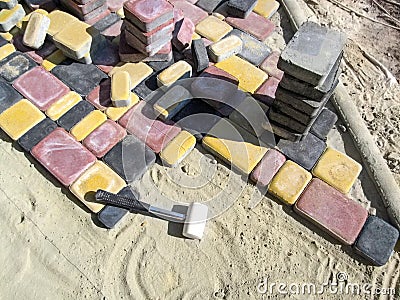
[(51, 248)]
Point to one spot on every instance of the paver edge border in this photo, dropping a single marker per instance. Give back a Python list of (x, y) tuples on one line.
[(362, 138)]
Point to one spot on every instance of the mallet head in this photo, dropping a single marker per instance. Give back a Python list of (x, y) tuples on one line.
[(195, 222)]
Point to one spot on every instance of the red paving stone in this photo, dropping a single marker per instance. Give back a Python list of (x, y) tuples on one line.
[(114, 5), (270, 65), (266, 92), (63, 156), (194, 13), (114, 30), (254, 24), (141, 121), (332, 211), (268, 167), (183, 34), (104, 137), (40, 87)]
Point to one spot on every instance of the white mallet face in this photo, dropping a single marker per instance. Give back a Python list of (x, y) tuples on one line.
[(196, 219)]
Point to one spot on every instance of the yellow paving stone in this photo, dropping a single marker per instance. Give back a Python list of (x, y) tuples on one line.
[(88, 124), (170, 75), (54, 59), (10, 17), (195, 36), (138, 72), (250, 77), (7, 36), (64, 104), (6, 50), (36, 30), (120, 89), (225, 48), (266, 8), (98, 176), (234, 145), (213, 28), (20, 118), (58, 21), (289, 182), (115, 113), (76, 39), (178, 149), (120, 12), (337, 169), (219, 16)]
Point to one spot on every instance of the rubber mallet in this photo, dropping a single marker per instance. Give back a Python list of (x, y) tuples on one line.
[(194, 220)]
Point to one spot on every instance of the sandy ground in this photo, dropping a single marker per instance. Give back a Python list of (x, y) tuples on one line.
[(51, 248)]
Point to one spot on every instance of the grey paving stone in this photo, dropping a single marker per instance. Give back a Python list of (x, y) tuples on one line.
[(75, 114), (174, 100), (241, 8), (106, 22), (287, 121), (79, 77), (312, 53), (110, 215), (285, 133), (36, 134), (209, 5), (130, 158), (197, 117), (199, 55), (316, 93), (15, 65), (8, 96), (3, 41), (253, 50), (376, 241), (324, 124), (300, 103), (305, 153)]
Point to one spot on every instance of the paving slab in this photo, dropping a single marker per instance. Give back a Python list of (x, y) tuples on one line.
[(234, 146), (15, 65), (62, 105), (20, 118), (312, 53), (148, 14), (8, 96), (79, 77), (178, 149), (130, 158), (266, 92), (104, 137), (270, 65), (151, 36), (121, 89), (40, 87), (10, 17), (89, 123), (183, 32), (254, 24), (193, 12), (169, 104), (289, 183), (266, 8), (36, 30), (64, 157), (138, 72), (305, 153), (36, 134), (266, 170), (175, 72), (324, 123), (75, 115), (376, 241), (241, 8), (213, 28), (199, 55), (58, 21), (225, 48), (209, 5), (337, 169), (98, 176), (253, 50), (338, 215)]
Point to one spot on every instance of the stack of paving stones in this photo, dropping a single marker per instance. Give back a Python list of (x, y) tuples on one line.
[(311, 63), (147, 31), (50, 102)]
